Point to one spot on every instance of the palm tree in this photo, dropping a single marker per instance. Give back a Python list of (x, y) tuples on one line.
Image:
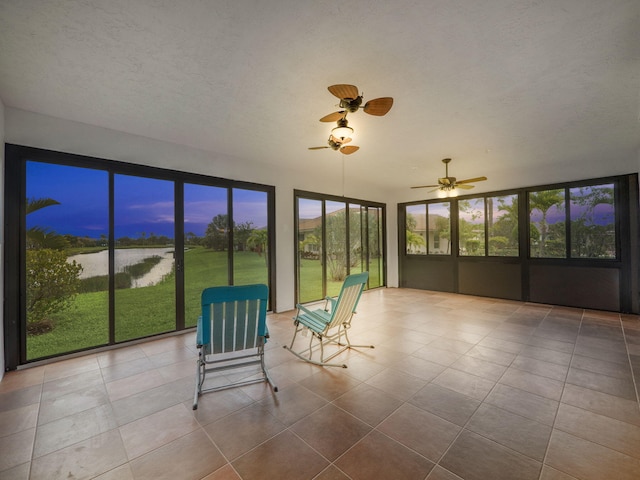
[(40, 237), (414, 240), (258, 241), (543, 201), (507, 225)]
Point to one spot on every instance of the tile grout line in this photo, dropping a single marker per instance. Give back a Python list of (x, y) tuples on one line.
[(626, 346), (463, 427), (553, 426)]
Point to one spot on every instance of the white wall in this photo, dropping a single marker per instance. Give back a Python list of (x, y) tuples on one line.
[(35, 130), (1, 236)]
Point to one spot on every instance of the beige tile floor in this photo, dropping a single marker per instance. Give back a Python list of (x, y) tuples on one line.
[(457, 387)]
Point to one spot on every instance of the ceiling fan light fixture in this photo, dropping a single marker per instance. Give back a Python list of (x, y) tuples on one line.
[(447, 191), (343, 130)]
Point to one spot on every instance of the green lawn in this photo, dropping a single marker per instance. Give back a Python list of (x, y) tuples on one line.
[(147, 311), (143, 311), (311, 279)]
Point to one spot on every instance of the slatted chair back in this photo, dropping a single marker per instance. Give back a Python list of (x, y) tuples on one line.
[(347, 301), (233, 318)]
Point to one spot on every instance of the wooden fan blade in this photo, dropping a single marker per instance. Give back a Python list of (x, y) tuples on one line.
[(317, 148), (427, 186), (472, 180), (333, 117), (348, 150), (344, 91), (465, 187), (378, 106)]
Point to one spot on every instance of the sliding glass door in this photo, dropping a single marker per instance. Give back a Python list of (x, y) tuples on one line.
[(250, 237), (309, 248), (336, 242), (336, 237), (206, 244), (102, 252), (374, 241), (144, 227), (66, 261)]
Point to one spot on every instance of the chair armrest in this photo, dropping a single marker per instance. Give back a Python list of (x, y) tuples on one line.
[(305, 310), (319, 315), (332, 301), (199, 333)]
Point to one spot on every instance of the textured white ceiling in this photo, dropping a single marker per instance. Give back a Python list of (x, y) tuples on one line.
[(500, 85)]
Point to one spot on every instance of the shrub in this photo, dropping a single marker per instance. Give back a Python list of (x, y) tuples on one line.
[(52, 284)]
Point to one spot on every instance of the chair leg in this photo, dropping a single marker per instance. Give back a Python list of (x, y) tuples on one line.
[(311, 347), (295, 333), (199, 380), (264, 371), (349, 344), (309, 359), (203, 367)]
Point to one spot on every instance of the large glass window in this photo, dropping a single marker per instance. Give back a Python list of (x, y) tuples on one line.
[(250, 237), (471, 227), (375, 242), (592, 214), (108, 252), (336, 238), (67, 259), (309, 250), (439, 228), (144, 229), (428, 229), (357, 236), (416, 229), (502, 225), (574, 222), (547, 224), (336, 245), (206, 244)]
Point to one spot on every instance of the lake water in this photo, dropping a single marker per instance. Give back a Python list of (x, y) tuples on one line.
[(96, 264)]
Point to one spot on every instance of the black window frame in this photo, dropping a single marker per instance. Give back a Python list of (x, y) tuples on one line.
[(16, 157), (323, 198)]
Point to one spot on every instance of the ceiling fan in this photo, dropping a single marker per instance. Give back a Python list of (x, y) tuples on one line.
[(338, 137), (351, 102), (338, 144), (448, 184)]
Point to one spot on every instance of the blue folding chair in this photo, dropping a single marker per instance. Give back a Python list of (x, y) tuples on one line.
[(231, 333), (330, 324)]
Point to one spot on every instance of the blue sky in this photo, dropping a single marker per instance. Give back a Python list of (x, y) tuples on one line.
[(141, 204)]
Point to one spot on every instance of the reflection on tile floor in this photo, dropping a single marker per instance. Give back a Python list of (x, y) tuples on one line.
[(457, 387)]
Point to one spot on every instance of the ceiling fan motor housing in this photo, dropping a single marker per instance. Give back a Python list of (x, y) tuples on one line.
[(351, 104)]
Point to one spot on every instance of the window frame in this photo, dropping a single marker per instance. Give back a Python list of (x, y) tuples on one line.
[(566, 187), (427, 253), (524, 228), (364, 206), (16, 158)]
